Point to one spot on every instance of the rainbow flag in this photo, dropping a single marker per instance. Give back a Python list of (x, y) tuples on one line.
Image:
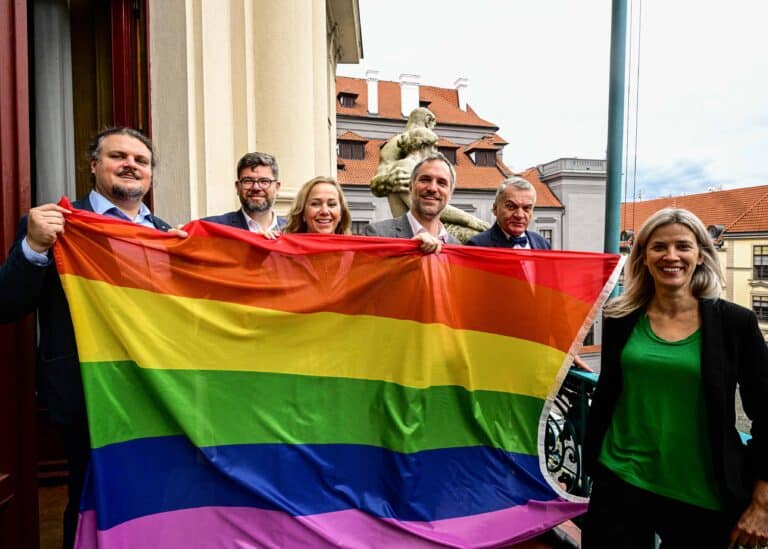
[(318, 391)]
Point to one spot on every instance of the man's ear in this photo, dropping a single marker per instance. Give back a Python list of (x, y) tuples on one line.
[(93, 166)]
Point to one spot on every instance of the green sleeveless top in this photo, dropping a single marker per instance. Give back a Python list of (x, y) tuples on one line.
[(658, 439)]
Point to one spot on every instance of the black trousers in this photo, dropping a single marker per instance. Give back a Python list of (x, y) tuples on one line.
[(622, 516), (77, 446)]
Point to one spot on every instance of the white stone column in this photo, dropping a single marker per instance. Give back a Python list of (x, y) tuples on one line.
[(236, 76)]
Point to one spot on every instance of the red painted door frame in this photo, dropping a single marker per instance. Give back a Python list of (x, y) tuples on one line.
[(18, 483)]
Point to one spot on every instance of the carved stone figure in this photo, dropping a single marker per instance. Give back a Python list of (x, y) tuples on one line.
[(398, 158)]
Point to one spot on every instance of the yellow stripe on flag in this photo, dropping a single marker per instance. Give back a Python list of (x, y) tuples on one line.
[(170, 332)]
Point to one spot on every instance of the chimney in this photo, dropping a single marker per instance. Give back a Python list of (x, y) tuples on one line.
[(461, 84), (409, 93), (372, 77)]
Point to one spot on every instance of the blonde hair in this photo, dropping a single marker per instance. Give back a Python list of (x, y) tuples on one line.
[(297, 223), (707, 280)]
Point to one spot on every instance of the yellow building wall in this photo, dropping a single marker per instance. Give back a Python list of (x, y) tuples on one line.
[(234, 76), (739, 272)]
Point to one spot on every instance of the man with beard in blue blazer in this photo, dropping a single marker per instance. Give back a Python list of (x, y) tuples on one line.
[(257, 186), (121, 161)]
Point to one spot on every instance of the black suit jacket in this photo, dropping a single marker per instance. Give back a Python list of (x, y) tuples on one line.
[(25, 287), (237, 219), (495, 238), (733, 352)]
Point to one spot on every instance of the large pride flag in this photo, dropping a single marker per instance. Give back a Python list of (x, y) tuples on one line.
[(318, 391)]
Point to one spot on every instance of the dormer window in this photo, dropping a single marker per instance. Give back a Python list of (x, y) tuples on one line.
[(347, 99), (485, 158), (352, 150), (449, 153)]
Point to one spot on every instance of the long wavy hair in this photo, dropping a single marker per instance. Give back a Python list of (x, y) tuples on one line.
[(296, 222), (707, 280)]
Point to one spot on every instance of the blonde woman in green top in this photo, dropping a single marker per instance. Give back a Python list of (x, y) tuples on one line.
[(661, 445)]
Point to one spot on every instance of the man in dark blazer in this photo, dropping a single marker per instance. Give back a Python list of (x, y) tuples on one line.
[(256, 186), (513, 208), (121, 161), (430, 187)]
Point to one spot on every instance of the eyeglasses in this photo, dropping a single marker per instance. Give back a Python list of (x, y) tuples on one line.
[(262, 182)]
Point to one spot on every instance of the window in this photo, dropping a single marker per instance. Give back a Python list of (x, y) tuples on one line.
[(760, 306), (352, 150), (485, 158), (589, 339), (547, 234), (449, 153), (347, 99), (760, 263), (358, 226)]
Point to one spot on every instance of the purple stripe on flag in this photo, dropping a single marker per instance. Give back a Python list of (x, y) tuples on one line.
[(245, 527)]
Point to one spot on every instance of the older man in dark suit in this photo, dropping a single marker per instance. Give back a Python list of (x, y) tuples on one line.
[(513, 208), (121, 161), (431, 186), (257, 186)]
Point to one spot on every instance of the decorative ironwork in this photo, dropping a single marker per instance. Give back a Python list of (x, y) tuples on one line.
[(564, 437)]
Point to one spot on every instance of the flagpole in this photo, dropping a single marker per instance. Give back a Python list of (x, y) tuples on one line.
[(616, 98)]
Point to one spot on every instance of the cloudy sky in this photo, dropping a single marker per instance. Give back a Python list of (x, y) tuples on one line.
[(539, 70)]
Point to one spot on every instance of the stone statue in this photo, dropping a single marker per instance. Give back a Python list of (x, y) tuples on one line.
[(398, 158)]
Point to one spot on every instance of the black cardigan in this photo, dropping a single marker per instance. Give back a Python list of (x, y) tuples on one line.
[(733, 351)]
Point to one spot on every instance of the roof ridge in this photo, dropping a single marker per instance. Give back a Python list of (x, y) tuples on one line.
[(754, 205)]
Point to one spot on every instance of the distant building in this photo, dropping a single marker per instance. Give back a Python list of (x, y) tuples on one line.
[(370, 111), (738, 220)]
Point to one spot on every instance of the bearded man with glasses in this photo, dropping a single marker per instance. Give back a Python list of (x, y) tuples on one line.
[(256, 186)]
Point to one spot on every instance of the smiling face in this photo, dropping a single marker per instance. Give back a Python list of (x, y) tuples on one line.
[(431, 190), (671, 256), (123, 169), (322, 211), (513, 210)]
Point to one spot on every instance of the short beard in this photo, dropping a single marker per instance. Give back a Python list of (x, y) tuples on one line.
[(127, 194), (254, 207)]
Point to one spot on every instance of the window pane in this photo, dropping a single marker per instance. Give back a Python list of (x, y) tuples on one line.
[(760, 262), (760, 306)]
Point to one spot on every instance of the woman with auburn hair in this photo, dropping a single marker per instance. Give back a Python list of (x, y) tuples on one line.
[(661, 444), (319, 207)]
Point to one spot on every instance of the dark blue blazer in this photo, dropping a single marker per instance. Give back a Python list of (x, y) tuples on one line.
[(25, 287), (237, 219), (495, 238)]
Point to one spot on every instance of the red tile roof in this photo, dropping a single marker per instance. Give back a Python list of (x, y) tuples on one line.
[(468, 176), (445, 106), (738, 210), (483, 144), (442, 142), (351, 136), (498, 140), (444, 102), (544, 195)]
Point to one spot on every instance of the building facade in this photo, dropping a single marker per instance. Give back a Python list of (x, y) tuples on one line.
[(738, 221), (208, 80), (570, 191)]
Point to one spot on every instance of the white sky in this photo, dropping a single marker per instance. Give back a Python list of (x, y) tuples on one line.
[(539, 70)]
